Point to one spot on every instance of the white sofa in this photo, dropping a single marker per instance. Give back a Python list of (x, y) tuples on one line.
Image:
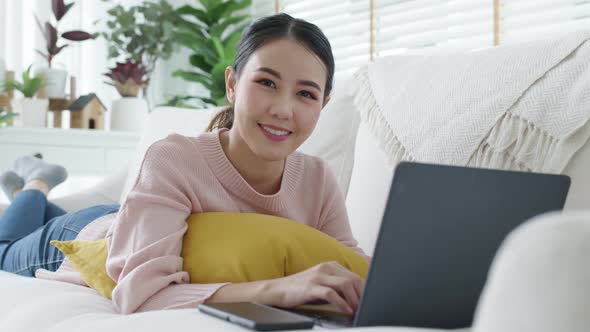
[(360, 166), (28, 304)]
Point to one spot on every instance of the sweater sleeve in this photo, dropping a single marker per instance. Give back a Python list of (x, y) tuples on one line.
[(145, 241), (334, 217)]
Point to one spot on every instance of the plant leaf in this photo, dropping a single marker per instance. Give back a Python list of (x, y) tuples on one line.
[(113, 52), (218, 47), (34, 85), (50, 37), (217, 29), (57, 49), (197, 13), (208, 101), (29, 86), (180, 101), (25, 75), (236, 5), (209, 4), (218, 78), (77, 35), (5, 117), (184, 26), (40, 27), (231, 44), (198, 61), (194, 77), (221, 101), (10, 84), (67, 9), (216, 12), (58, 7), (45, 56), (235, 36), (198, 45)]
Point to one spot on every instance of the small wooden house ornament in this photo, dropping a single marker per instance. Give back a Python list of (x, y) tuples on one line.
[(87, 112)]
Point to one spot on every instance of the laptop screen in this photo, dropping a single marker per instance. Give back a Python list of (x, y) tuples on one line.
[(440, 231)]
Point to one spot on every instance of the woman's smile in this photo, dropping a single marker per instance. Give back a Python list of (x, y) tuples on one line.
[(274, 133)]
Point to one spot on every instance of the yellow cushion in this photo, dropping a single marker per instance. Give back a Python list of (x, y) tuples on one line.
[(230, 247), (89, 259)]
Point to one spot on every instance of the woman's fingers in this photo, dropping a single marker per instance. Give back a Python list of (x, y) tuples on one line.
[(330, 295), (343, 286), (358, 283)]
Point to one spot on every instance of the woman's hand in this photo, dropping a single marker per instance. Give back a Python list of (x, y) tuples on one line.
[(329, 282)]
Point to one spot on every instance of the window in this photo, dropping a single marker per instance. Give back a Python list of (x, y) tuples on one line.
[(346, 23), (421, 25), (523, 20), (360, 30)]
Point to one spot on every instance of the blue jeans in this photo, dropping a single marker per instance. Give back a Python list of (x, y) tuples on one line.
[(30, 222)]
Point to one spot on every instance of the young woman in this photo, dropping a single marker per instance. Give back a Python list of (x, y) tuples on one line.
[(246, 162)]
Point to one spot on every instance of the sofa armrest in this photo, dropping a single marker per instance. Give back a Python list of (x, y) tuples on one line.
[(107, 191)]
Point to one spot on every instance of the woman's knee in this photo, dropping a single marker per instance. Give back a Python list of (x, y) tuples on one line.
[(540, 278)]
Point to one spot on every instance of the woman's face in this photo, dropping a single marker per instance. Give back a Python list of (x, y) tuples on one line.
[(277, 98)]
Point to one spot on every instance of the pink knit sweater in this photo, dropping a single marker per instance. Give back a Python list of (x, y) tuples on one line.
[(182, 175)]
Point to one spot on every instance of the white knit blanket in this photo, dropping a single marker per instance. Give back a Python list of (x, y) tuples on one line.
[(523, 107)]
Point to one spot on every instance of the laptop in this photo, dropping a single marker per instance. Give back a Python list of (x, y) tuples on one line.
[(441, 228)]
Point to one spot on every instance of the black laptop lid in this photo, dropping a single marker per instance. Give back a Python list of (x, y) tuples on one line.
[(441, 228)]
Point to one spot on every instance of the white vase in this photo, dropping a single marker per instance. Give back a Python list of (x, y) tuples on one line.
[(56, 81), (32, 112), (128, 114)]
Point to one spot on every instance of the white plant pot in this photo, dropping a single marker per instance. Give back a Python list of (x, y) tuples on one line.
[(128, 114), (56, 81), (32, 112)]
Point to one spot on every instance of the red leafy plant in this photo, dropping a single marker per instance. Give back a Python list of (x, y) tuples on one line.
[(128, 77), (59, 8)]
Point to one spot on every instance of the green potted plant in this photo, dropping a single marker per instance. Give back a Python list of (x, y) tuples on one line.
[(57, 77), (143, 33), (140, 35), (33, 110), (6, 117), (212, 33)]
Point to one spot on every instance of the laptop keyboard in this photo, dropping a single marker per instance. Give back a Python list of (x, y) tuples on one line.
[(326, 319)]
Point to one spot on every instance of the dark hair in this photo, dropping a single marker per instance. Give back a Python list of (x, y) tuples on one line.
[(271, 28)]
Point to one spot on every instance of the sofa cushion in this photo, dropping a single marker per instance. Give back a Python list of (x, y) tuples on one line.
[(369, 188), (334, 137), (30, 304)]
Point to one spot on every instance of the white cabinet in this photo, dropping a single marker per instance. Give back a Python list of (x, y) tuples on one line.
[(81, 152), (88, 155)]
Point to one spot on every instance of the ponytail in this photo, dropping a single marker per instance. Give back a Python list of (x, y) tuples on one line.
[(223, 119)]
